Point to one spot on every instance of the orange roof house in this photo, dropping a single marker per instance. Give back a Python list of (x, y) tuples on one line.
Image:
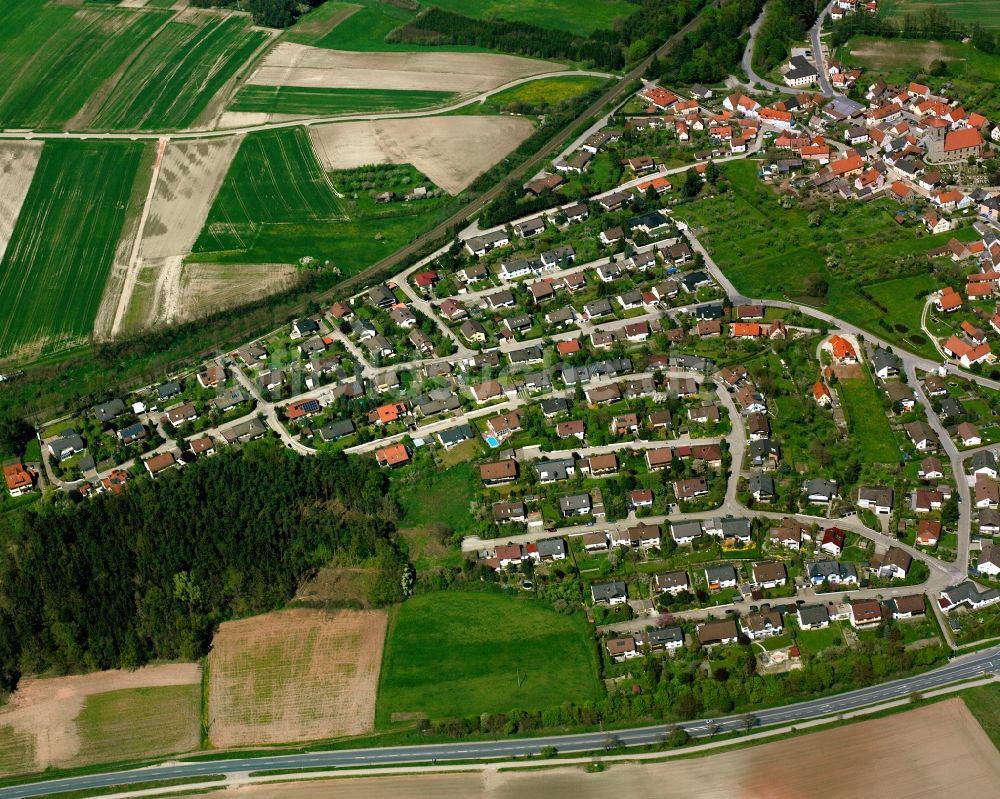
[(964, 139), (821, 394), (843, 350), (391, 412), (19, 480), (393, 455)]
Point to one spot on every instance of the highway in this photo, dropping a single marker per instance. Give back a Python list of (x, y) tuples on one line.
[(963, 668)]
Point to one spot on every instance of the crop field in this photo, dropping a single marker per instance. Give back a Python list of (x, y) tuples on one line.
[(274, 179), (359, 26), (581, 17), (56, 264), (294, 675), (175, 78), (544, 92), (53, 57), (327, 102), (971, 12), (100, 717), (18, 161), (867, 420), (453, 653)]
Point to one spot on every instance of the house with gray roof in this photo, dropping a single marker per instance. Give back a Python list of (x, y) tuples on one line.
[(455, 436), (66, 446), (833, 571), (551, 549), (575, 504), (611, 593), (107, 411), (719, 577), (336, 430), (813, 617), (555, 470), (165, 391), (685, 532), (884, 363)]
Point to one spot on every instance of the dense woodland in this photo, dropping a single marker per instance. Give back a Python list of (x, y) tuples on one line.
[(654, 22), (122, 580), (785, 22), (272, 13), (714, 49)]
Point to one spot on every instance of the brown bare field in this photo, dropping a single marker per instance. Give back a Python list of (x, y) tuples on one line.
[(451, 150), (18, 161), (894, 54), (291, 64), (333, 586), (294, 675), (207, 288), (934, 751), (190, 176), (63, 721)]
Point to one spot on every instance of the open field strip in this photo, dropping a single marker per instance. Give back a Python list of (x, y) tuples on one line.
[(211, 288), (100, 717), (191, 173), (454, 653), (450, 150), (301, 100), (56, 264), (970, 12), (294, 675), (18, 161), (173, 80), (298, 65), (53, 57)]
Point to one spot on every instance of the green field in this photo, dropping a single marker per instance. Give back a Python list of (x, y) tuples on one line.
[(277, 205), (543, 93), (274, 179), (581, 17), (327, 102), (453, 653), (17, 751), (867, 421), (437, 496), (984, 703), (855, 247), (137, 723), (54, 57), (56, 264), (176, 76), (971, 12)]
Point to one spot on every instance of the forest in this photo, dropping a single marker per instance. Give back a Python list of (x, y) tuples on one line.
[(713, 50), (654, 22), (271, 13), (785, 22), (121, 580)]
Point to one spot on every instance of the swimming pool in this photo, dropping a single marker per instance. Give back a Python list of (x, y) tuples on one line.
[(492, 441)]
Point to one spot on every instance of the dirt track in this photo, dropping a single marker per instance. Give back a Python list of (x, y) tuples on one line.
[(294, 675), (18, 161), (47, 708), (299, 65), (928, 753), (451, 151)]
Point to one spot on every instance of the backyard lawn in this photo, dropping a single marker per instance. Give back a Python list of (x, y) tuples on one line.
[(867, 421)]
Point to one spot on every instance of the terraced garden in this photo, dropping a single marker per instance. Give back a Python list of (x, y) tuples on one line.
[(176, 76), (54, 270), (54, 57)]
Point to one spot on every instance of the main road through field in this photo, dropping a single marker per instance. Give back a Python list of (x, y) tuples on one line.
[(962, 668)]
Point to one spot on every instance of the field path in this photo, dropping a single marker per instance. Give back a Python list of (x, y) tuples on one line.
[(135, 264)]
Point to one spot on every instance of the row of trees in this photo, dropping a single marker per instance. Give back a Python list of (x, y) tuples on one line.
[(122, 580), (272, 13), (785, 21)]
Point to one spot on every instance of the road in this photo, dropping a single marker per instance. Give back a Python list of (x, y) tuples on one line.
[(818, 57), (963, 668)]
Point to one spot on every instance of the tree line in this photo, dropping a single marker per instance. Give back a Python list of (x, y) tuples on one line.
[(633, 39), (785, 21), (714, 49), (271, 13), (121, 580)]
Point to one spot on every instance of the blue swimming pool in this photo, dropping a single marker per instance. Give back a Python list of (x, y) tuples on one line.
[(492, 441)]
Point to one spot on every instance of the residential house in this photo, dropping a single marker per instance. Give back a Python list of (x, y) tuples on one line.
[(610, 593), (762, 624), (717, 632)]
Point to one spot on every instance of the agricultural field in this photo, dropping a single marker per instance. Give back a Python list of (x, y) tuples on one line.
[(867, 421), (328, 102), (18, 161), (54, 57), (294, 675), (175, 78), (451, 150), (581, 17), (539, 95), (454, 653), (852, 247), (297, 65), (274, 179), (101, 717), (963, 763), (971, 12), (63, 243), (360, 26)]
